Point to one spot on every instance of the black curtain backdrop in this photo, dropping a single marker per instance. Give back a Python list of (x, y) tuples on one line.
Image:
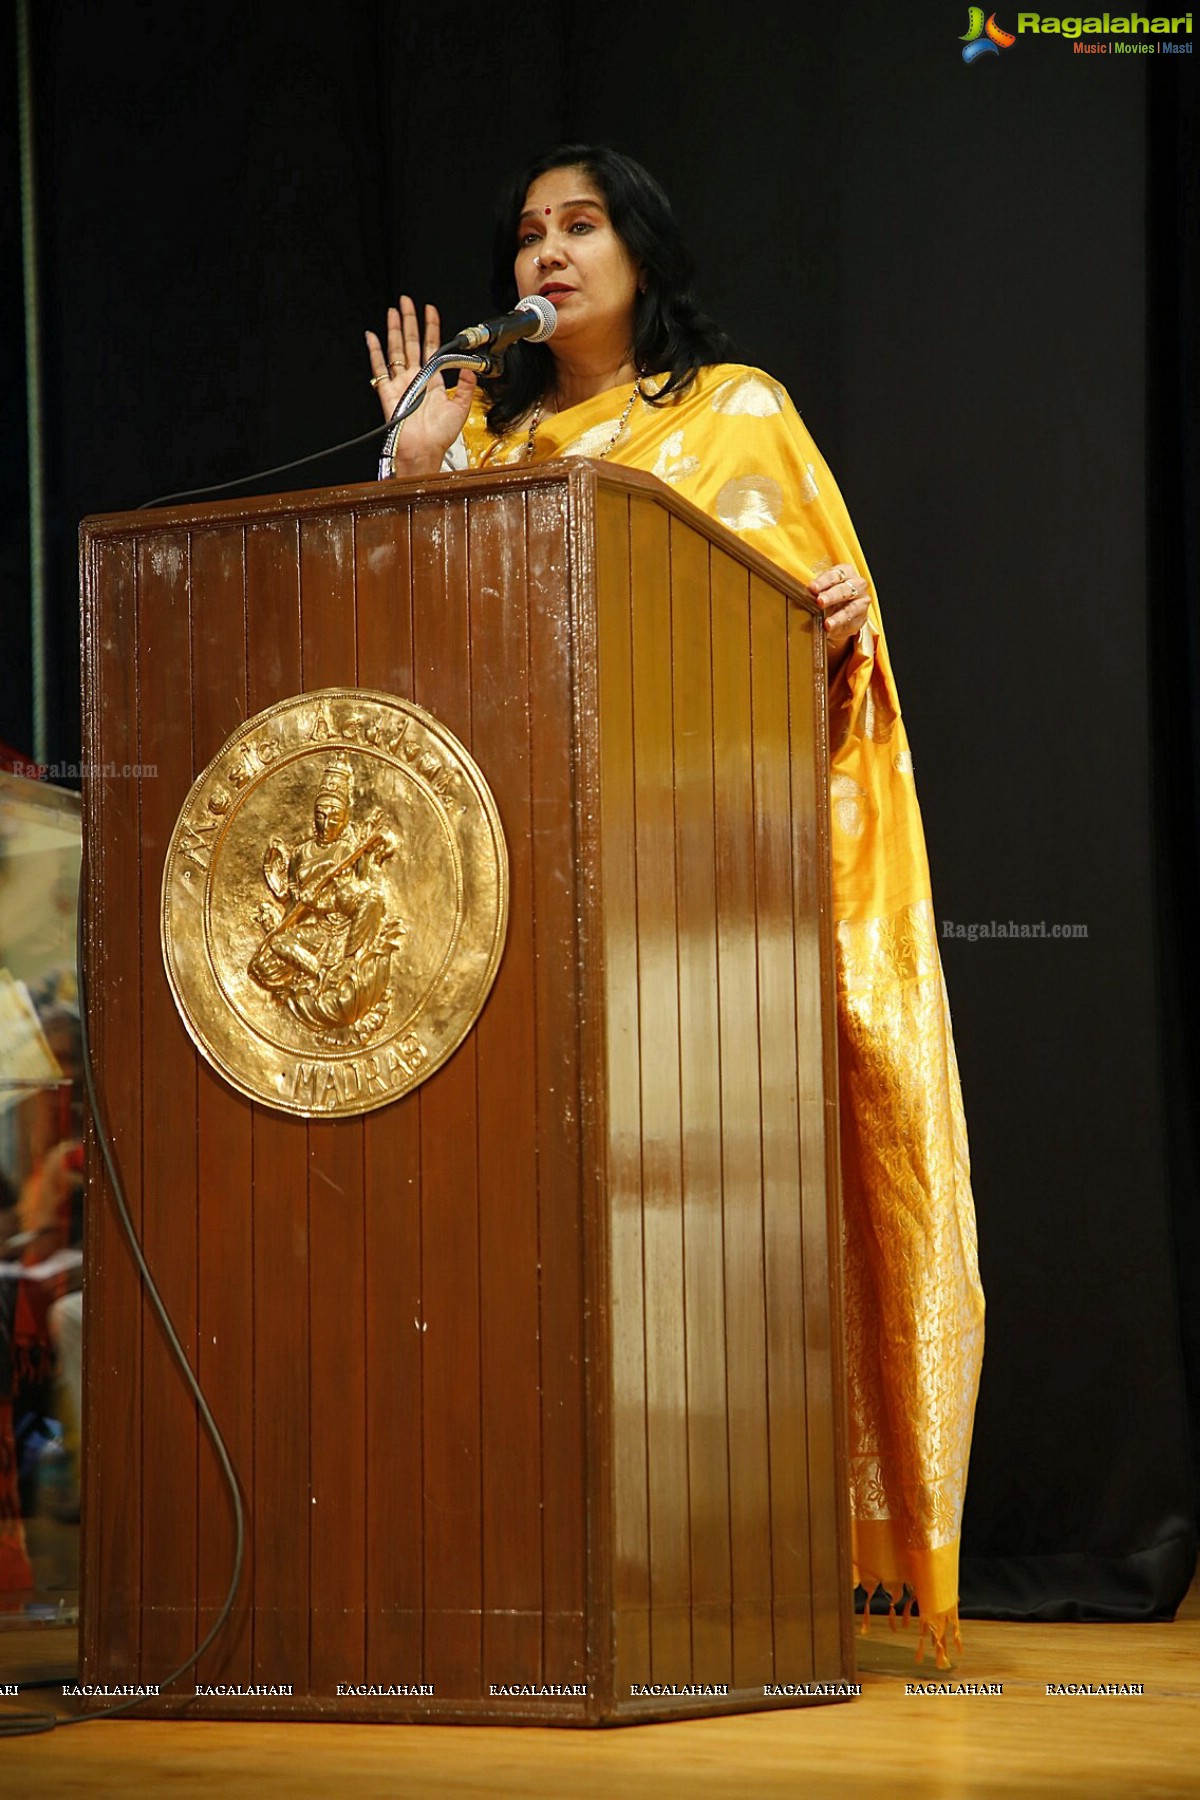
[(978, 283)]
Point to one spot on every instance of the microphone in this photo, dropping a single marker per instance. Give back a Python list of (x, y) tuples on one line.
[(534, 318)]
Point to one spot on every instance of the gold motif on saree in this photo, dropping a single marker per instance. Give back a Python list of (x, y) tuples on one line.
[(750, 396), (506, 452), (847, 799), (750, 503), (597, 440), (334, 902), (672, 465)]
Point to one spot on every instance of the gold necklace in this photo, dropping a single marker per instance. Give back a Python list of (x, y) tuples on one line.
[(536, 419)]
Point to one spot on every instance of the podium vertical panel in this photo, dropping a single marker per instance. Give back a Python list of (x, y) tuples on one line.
[(394, 1520), (224, 1158), (530, 1377), (560, 618), (700, 1099), (741, 1135), (720, 1172), (510, 1300), (168, 1097), (277, 1202), (111, 1515)]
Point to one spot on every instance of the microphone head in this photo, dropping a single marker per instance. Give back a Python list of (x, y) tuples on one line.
[(536, 303)]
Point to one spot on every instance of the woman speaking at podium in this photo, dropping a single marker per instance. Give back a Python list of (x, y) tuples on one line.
[(635, 373)]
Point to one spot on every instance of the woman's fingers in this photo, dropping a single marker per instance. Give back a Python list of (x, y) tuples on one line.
[(411, 338), (378, 360), (844, 598), (387, 390), (402, 339), (842, 576), (840, 586), (398, 355), (842, 621), (410, 341)]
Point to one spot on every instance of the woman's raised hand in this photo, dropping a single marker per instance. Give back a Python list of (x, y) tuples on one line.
[(431, 430)]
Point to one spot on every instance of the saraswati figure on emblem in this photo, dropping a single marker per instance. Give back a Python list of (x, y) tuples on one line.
[(329, 938)]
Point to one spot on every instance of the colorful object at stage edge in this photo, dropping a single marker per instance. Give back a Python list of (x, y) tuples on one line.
[(982, 39)]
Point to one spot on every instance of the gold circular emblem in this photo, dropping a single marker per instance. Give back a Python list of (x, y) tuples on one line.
[(334, 902)]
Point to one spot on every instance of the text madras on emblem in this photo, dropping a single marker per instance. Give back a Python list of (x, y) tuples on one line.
[(334, 902)]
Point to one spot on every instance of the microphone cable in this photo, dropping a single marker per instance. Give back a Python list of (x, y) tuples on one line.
[(454, 355), (223, 487)]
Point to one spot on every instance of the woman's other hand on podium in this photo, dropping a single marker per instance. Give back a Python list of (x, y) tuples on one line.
[(845, 598), (431, 430)]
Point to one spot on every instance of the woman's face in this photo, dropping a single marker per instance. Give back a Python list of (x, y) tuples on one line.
[(568, 251)]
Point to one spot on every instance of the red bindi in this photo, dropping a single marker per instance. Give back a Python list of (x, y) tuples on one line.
[(547, 212)]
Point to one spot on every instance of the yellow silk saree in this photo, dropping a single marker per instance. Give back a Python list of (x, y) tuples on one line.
[(735, 446)]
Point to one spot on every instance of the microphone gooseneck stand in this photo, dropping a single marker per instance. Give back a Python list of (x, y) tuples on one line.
[(412, 398)]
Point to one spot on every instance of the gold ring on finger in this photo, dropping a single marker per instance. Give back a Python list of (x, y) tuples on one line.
[(376, 379)]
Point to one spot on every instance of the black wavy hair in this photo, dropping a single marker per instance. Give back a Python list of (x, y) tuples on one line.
[(671, 335)]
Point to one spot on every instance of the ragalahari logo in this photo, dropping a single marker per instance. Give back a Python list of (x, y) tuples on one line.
[(982, 39)]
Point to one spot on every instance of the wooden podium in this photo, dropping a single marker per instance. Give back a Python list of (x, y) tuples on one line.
[(532, 1378)]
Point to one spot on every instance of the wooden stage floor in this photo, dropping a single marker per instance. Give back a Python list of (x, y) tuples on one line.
[(888, 1742)]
